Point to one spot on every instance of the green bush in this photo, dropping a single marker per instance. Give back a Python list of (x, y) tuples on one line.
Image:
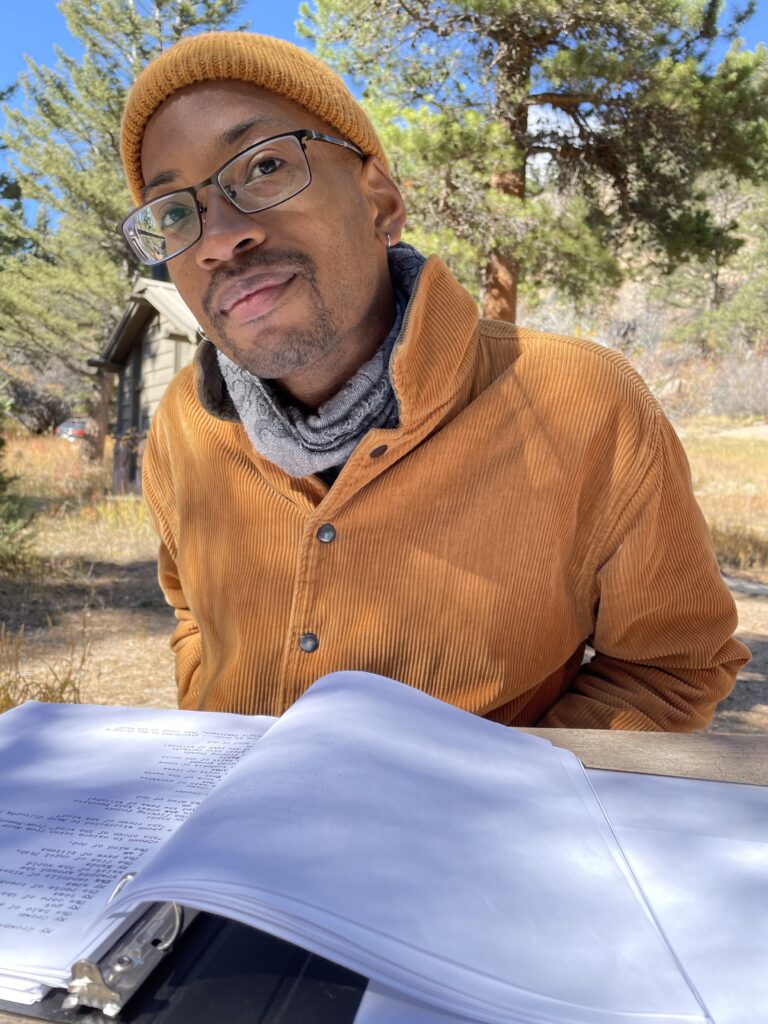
[(15, 520)]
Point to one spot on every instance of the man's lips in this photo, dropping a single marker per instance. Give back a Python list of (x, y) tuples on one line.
[(253, 295)]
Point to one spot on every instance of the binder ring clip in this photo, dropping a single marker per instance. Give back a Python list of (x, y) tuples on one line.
[(178, 924)]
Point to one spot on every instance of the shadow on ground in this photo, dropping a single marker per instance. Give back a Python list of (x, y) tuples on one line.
[(103, 624), (745, 709), (55, 589)]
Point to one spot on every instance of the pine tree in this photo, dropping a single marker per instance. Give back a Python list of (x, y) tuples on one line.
[(541, 140), (722, 302), (10, 193), (64, 271)]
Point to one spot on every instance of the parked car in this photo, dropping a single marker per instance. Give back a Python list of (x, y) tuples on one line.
[(74, 429)]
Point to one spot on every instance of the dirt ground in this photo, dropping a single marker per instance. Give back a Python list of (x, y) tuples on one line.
[(113, 613), (746, 709), (126, 626)]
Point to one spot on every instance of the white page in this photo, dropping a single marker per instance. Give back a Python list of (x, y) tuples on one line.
[(88, 793), (433, 851), (16, 990), (700, 851)]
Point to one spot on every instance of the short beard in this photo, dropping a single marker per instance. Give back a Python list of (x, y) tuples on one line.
[(298, 348)]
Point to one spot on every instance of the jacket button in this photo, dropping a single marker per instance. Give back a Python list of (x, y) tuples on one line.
[(377, 452), (309, 643), (326, 533)]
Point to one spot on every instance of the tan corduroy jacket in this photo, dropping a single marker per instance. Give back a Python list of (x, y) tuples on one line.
[(532, 500)]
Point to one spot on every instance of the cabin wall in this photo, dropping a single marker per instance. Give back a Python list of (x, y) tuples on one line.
[(155, 359), (163, 355)]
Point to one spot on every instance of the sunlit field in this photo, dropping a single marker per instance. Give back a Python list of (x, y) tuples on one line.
[(76, 517), (729, 465)]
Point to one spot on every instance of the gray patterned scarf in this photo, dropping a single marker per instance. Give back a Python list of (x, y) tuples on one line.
[(302, 443)]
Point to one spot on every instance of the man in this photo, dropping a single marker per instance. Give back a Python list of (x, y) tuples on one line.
[(357, 472)]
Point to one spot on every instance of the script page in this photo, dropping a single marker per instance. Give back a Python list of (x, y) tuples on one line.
[(439, 854), (88, 794), (700, 850)]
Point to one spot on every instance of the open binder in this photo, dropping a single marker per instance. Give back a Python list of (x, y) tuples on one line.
[(217, 969), (450, 860)]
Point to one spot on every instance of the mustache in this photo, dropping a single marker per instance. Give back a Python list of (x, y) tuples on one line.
[(255, 259)]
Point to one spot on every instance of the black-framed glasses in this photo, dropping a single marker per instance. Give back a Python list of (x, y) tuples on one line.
[(262, 176)]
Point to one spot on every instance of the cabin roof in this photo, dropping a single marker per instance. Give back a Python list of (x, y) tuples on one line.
[(147, 299)]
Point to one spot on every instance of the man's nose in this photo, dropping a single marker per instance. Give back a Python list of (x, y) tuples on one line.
[(227, 231)]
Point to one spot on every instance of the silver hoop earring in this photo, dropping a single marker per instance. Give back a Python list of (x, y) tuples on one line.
[(202, 336), (389, 241)]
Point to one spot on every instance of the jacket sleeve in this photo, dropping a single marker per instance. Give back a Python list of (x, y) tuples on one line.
[(185, 641), (664, 652)]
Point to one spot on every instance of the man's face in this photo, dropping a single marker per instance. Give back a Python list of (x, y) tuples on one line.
[(299, 293)]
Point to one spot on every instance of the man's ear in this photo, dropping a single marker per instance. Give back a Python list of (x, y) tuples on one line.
[(386, 202)]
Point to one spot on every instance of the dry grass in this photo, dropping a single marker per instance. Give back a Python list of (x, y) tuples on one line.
[(53, 473), (77, 527), (116, 530), (729, 464), (23, 678), (77, 518)]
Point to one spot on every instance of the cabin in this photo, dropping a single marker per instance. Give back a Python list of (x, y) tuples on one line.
[(155, 338)]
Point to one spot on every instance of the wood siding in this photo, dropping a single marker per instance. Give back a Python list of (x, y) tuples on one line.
[(153, 362), (157, 356)]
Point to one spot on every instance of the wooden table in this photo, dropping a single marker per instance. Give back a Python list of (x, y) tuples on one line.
[(721, 757)]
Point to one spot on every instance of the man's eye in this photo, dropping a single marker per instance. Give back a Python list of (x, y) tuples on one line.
[(262, 168), (172, 216)]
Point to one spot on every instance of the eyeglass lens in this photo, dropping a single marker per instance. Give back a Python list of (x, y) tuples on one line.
[(255, 180)]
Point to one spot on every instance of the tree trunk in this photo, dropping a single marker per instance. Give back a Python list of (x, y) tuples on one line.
[(501, 272), (513, 61), (500, 296), (94, 448)]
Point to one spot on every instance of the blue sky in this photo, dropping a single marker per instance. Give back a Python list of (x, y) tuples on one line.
[(33, 26)]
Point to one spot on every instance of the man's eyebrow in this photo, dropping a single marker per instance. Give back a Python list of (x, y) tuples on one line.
[(227, 138), (237, 131), (163, 178)]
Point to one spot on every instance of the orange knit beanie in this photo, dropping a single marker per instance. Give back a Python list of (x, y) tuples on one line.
[(271, 63)]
